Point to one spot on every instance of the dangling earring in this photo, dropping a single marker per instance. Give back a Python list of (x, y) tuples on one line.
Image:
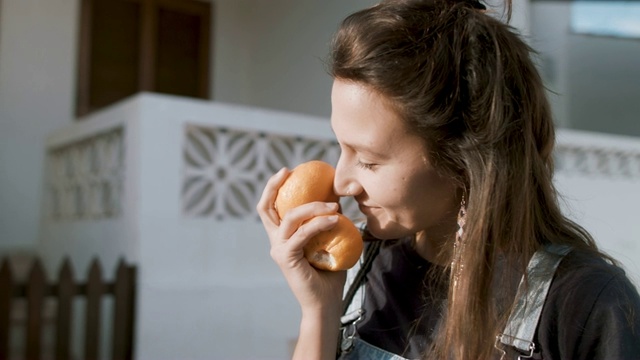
[(462, 218), (458, 244)]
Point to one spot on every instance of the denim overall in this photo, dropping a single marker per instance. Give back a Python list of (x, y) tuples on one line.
[(517, 336), (362, 350)]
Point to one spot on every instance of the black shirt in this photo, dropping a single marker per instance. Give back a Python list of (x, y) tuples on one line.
[(401, 312), (592, 309)]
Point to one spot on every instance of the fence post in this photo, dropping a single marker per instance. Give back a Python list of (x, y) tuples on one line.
[(65, 292), (123, 314), (36, 289), (94, 297), (6, 295)]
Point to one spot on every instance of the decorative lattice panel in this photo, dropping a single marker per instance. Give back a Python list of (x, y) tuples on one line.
[(85, 178), (597, 161), (225, 170)]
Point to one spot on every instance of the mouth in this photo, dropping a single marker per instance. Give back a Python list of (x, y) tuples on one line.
[(365, 209)]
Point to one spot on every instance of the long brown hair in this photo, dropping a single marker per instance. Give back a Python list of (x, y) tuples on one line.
[(465, 82)]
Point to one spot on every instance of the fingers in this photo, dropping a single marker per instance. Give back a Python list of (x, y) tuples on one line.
[(295, 217), (289, 234), (297, 227), (310, 229), (289, 250), (265, 206)]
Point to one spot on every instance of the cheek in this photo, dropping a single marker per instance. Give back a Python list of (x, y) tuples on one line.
[(436, 196), (421, 194), (414, 199), (395, 195)]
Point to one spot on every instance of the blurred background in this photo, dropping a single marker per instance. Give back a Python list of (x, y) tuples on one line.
[(143, 131)]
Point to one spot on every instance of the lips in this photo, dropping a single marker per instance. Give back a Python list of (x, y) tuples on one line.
[(364, 208)]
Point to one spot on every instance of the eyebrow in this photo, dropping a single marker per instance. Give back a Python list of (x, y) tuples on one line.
[(365, 150), (361, 148)]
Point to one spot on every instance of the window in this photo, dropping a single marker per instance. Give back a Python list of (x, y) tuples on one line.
[(606, 18), (128, 46)]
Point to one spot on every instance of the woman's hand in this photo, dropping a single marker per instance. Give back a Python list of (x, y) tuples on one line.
[(316, 291)]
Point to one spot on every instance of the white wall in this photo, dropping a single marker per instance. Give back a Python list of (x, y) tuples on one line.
[(594, 81), (598, 179), (270, 53), (604, 83), (231, 49), (616, 235), (549, 36), (521, 16), (37, 74)]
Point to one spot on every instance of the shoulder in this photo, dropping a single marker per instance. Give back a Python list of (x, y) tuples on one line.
[(585, 279), (592, 308), (587, 273)]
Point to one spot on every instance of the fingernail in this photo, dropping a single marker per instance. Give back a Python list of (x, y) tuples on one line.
[(332, 206), (332, 218)]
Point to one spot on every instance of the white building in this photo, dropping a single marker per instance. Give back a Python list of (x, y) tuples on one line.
[(207, 286)]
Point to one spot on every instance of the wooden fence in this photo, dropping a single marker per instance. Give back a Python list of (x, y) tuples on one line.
[(36, 290)]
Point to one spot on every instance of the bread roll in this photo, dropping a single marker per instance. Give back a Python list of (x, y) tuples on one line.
[(336, 249), (308, 182)]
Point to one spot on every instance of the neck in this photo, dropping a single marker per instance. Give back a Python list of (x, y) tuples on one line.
[(435, 247)]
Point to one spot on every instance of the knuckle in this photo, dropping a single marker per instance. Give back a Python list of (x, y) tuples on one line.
[(277, 255), (274, 254), (303, 231)]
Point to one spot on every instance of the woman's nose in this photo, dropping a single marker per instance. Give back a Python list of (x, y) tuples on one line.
[(344, 182)]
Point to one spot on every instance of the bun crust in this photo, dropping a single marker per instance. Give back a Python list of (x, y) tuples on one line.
[(308, 182), (336, 249)]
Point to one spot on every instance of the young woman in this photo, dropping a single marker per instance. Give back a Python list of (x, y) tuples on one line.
[(447, 140)]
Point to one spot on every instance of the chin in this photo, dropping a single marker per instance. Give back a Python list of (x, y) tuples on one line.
[(387, 231)]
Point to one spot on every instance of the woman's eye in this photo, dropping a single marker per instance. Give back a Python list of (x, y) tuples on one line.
[(366, 166)]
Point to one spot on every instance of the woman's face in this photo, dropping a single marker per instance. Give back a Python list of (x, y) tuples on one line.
[(387, 168)]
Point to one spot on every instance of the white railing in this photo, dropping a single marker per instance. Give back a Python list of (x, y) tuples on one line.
[(172, 183), (598, 155), (225, 169), (85, 177)]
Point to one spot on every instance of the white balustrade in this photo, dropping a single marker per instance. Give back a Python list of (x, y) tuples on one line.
[(85, 178), (598, 155)]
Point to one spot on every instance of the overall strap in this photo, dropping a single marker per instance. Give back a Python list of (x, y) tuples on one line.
[(370, 253), (532, 293), (351, 315)]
